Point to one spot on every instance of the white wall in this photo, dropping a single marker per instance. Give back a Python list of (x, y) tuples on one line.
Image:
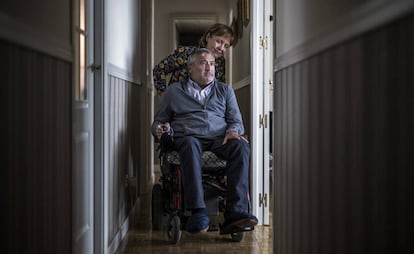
[(123, 33), (51, 16), (241, 53), (301, 20), (43, 25), (304, 29)]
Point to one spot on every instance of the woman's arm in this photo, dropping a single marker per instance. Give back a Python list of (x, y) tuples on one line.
[(174, 63)]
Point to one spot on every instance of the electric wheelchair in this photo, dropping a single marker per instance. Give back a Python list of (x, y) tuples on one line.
[(168, 211)]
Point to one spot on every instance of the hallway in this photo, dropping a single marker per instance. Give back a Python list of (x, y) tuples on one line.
[(78, 100)]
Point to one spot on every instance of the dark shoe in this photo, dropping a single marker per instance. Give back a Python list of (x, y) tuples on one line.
[(198, 223), (238, 222)]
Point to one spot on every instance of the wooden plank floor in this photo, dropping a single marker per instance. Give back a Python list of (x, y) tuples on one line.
[(141, 239)]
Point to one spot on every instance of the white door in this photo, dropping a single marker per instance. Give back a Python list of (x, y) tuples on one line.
[(261, 107), (83, 177)]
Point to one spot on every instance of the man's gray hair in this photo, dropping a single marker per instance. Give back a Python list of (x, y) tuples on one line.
[(197, 52)]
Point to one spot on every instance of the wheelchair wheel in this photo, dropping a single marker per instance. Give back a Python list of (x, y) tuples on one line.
[(157, 207), (237, 237), (174, 229)]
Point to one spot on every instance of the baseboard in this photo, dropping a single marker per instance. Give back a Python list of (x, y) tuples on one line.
[(131, 219)]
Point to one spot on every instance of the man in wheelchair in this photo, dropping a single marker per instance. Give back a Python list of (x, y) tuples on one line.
[(202, 114)]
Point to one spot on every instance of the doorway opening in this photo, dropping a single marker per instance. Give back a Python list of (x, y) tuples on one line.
[(188, 28)]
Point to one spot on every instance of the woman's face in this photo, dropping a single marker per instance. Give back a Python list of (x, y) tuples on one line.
[(218, 44)]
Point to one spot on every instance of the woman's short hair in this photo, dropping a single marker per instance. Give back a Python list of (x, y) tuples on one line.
[(217, 30)]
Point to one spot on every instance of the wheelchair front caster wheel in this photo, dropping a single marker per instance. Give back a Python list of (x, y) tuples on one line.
[(237, 237), (174, 229)]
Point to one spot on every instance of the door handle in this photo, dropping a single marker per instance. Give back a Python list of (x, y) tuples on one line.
[(94, 67)]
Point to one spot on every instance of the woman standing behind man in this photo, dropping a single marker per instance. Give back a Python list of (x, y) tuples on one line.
[(218, 38)]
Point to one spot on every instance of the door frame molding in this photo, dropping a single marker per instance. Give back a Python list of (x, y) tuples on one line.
[(99, 43), (256, 109), (261, 73), (183, 17)]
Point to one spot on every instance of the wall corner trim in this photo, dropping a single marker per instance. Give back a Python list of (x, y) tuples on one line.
[(121, 73), (241, 83), (363, 19), (23, 34)]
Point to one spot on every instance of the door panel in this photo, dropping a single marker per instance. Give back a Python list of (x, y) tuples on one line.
[(83, 183)]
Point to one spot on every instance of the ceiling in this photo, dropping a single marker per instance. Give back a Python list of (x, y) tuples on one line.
[(193, 25)]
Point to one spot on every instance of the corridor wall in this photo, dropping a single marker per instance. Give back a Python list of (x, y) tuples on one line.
[(36, 141), (344, 117)]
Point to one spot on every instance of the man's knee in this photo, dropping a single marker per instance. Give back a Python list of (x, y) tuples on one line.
[(189, 146), (190, 142), (241, 146), (185, 141)]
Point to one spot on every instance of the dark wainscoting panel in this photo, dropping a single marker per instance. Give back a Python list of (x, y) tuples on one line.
[(344, 132), (36, 148), (123, 150)]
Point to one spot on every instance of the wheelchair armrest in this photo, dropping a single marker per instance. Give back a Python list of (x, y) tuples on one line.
[(166, 142)]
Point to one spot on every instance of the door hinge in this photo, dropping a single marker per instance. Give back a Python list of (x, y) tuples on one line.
[(262, 200), (263, 42), (262, 121)]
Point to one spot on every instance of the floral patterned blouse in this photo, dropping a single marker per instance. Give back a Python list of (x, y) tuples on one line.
[(176, 64)]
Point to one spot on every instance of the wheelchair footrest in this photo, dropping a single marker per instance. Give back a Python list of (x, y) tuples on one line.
[(230, 229)]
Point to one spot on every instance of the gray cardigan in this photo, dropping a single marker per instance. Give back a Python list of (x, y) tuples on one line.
[(189, 117)]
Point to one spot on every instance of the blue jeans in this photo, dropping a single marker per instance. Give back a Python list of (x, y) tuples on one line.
[(235, 152)]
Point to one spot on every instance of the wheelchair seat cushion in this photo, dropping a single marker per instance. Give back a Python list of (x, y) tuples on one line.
[(209, 159)]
